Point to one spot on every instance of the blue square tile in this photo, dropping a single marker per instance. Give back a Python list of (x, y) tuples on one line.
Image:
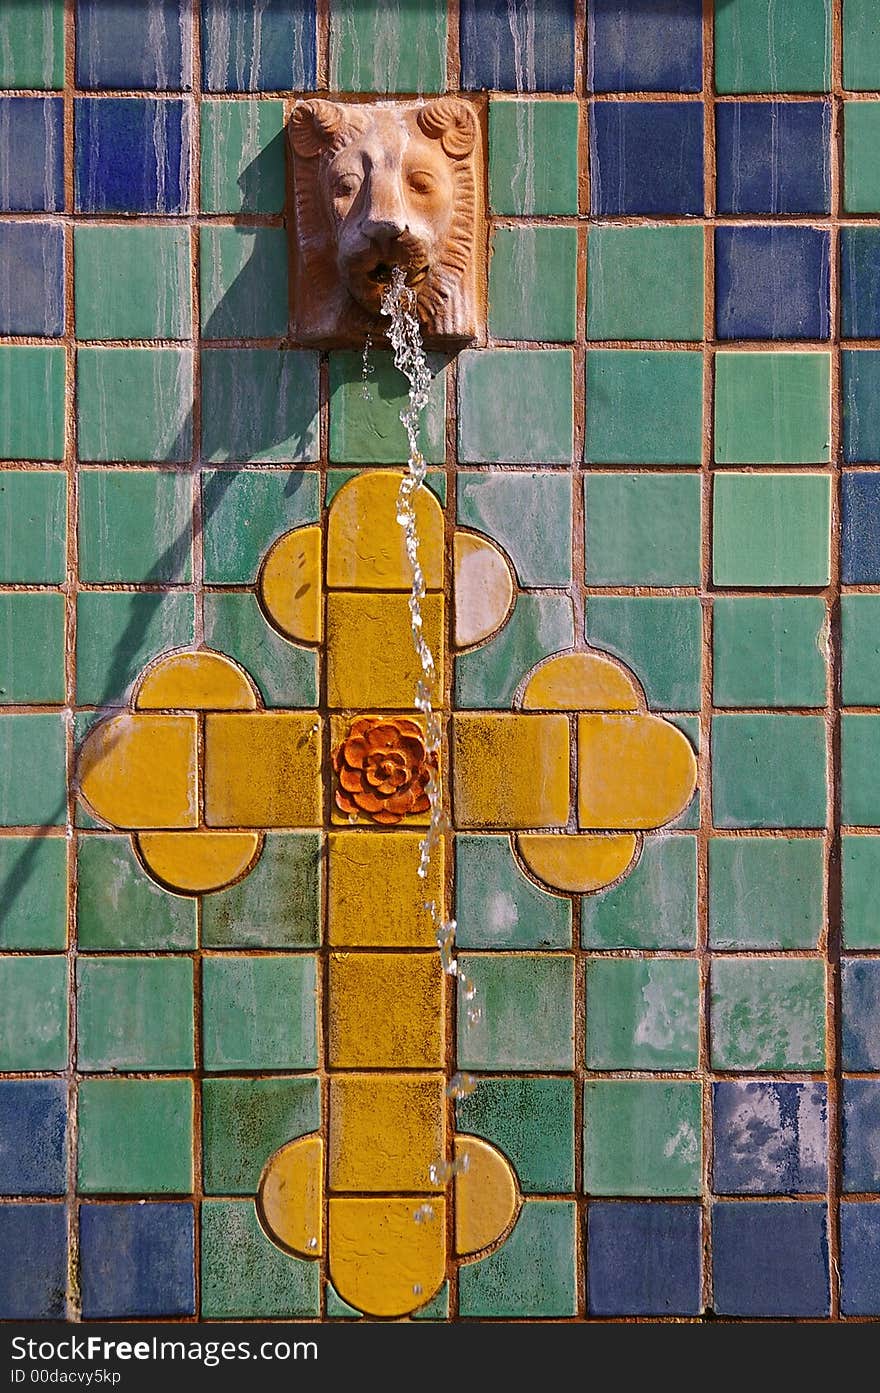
[(859, 1259), (32, 168), (137, 1260), (31, 279), (860, 1140), (770, 1138), (33, 1154), (634, 47), (860, 528), (34, 1285), (772, 283), (145, 46), (770, 1258), (860, 1043), (643, 1259), (773, 157), (258, 45), (861, 405), (646, 157), (860, 282), (517, 45), (132, 154)]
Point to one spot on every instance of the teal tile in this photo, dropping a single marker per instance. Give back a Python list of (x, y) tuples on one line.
[(245, 1121), (515, 406), (367, 429), (768, 771), (510, 989), (539, 625), (643, 1014), (132, 282), (528, 515), (860, 645), (766, 892), (135, 1136), (644, 407), (32, 44), (259, 1013), (33, 526), (861, 46), (134, 1014), (31, 403), (33, 784), (118, 634), (286, 674), (388, 46), (119, 907), (244, 1275), (860, 919), (768, 1014), (497, 907), (533, 156), (689, 820), (861, 167), (642, 1137), (31, 648), (244, 512), (242, 156), (532, 1121), (532, 1274), (859, 753), (337, 1309), (659, 639), (645, 283), (243, 282), (33, 892), (772, 408), (135, 525), (533, 284), (773, 46), (654, 906), (134, 404), (771, 529), (33, 1013), (259, 405), (277, 905), (436, 1309), (643, 529), (769, 651)]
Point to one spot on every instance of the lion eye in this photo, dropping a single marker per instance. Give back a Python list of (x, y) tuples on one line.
[(345, 186), (421, 182)]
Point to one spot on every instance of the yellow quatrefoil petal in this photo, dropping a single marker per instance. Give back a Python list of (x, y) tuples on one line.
[(197, 681), (195, 862), (483, 588), (577, 865), (486, 1195), (290, 1197), (633, 771), (366, 549), (141, 771), (381, 1260), (581, 682), (290, 585)]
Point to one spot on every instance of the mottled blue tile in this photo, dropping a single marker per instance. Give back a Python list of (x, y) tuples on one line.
[(646, 157), (773, 157), (772, 283), (132, 154), (33, 1284), (31, 279), (643, 1259), (861, 405), (258, 45), (860, 530), (634, 47), (770, 1258), (770, 1138), (860, 1045), (137, 1260), (860, 1140), (859, 1259), (33, 1117), (141, 46), (860, 282), (517, 45), (32, 167)]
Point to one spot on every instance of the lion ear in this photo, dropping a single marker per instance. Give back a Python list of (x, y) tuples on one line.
[(316, 127), (452, 123)]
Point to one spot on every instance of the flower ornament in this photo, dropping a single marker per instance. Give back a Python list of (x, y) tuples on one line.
[(383, 769)]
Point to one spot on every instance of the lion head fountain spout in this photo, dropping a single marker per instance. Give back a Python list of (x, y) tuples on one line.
[(381, 186)]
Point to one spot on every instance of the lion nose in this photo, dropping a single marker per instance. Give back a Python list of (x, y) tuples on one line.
[(384, 232)]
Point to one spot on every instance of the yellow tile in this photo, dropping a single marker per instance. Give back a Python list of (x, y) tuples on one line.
[(365, 543), (385, 1011), (263, 770), (290, 587), (483, 588), (386, 1131), (141, 771), (486, 1195), (371, 661), (290, 1197), (381, 1261), (577, 864), (381, 770), (201, 681), (633, 771), (194, 863), (581, 682), (510, 771), (375, 896)]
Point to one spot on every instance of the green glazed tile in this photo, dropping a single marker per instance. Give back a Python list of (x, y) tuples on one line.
[(83, 721), (644, 407), (533, 156), (860, 918), (654, 906), (689, 820), (132, 282), (388, 46), (643, 1014), (245, 1121), (244, 512), (246, 1275), (366, 431), (31, 403), (31, 648), (32, 775), (242, 156), (489, 676), (277, 905), (437, 1309), (768, 1014), (135, 525), (32, 44), (134, 1014), (771, 529), (773, 46), (259, 405), (861, 161), (642, 1137), (768, 771), (134, 404), (527, 514), (336, 1308), (496, 907), (117, 634), (243, 282), (120, 907), (769, 651), (766, 892), (259, 1013), (645, 283), (861, 46), (335, 478), (533, 284), (859, 753), (532, 1274), (660, 639), (772, 408), (33, 526), (286, 674), (33, 1013), (532, 1121), (135, 1136), (511, 989), (642, 529), (33, 892), (515, 406)]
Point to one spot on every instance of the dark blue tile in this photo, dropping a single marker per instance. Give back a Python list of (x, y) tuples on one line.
[(861, 405), (860, 1043), (33, 1261), (145, 46), (646, 157), (770, 1258), (860, 529), (137, 1260), (860, 282), (859, 1259), (33, 1154), (773, 157), (258, 45), (643, 1259), (638, 47), (31, 279), (770, 1138), (772, 283), (517, 45), (32, 167), (132, 155), (861, 1135)]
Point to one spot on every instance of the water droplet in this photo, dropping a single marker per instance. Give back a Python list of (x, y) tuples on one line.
[(312, 1244), (417, 1289)]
